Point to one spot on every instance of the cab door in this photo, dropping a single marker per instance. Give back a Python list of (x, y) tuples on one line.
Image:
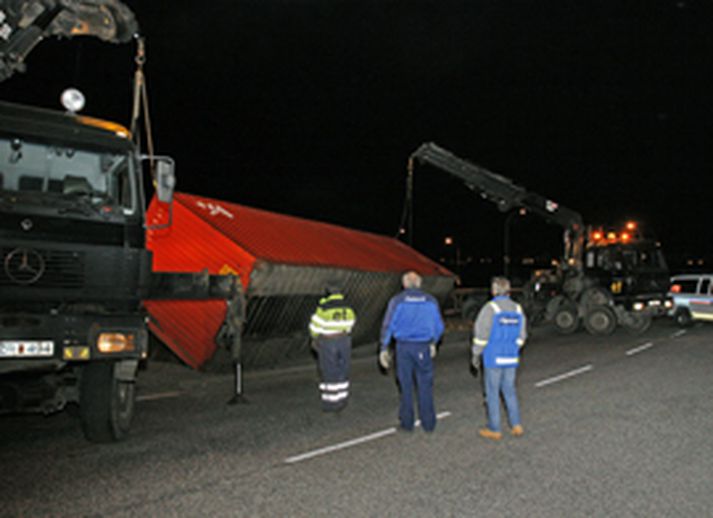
[(701, 304)]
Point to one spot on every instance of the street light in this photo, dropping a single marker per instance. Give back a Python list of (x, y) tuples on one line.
[(449, 241)]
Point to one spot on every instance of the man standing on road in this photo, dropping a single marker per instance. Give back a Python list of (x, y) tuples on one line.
[(413, 319), (500, 331), (330, 328)]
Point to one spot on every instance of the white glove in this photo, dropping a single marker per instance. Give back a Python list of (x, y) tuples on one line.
[(433, 350), (385, 359)]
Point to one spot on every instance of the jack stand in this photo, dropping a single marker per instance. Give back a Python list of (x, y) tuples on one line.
[(238, 398)]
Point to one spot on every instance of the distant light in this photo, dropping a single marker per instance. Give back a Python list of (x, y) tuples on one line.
[(448, 240), (631, 225), (625, 237), (73, 100)]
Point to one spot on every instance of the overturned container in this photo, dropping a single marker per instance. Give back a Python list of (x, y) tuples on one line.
[(284, 263)]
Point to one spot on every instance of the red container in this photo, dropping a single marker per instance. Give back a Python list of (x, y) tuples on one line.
[(283, 263)]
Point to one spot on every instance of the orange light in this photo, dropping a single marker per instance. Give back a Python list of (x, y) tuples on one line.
[(116, 342), (117, 129), (676, 288), (631, 225), (597, 236), (611, 236), (625, 237)]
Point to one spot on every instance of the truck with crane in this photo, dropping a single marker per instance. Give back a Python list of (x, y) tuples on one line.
[(74, 267), (605, 276)]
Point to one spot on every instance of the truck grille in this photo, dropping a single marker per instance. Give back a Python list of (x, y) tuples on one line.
[(38, 268)]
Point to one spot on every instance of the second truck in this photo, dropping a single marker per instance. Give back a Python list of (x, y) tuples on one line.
[(605, 276)]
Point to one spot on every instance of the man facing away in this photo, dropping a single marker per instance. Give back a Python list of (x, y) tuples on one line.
[(330, 328), (500, 331), (413, 319)]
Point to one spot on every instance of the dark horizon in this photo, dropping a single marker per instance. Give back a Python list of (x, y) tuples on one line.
[(312, 108)]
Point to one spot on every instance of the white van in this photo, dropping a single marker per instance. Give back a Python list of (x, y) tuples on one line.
[(692, 296)]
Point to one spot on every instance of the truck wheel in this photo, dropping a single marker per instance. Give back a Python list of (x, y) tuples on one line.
[(106, 404), (600, 320), (683, 317), (596, 296), (566, 319), (637, 323)]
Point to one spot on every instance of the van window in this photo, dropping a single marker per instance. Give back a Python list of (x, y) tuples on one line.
[(705, 284), (684, 286)]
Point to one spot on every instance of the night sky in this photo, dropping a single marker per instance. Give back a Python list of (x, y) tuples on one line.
[(312, 108)]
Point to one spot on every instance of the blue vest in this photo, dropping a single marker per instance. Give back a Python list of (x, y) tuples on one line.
[(502, 349)]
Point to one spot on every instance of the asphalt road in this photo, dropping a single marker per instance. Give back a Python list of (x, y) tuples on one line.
[(615, 426)]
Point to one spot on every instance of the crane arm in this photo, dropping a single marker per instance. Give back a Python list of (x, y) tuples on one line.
[(506, 195), (24, 23)]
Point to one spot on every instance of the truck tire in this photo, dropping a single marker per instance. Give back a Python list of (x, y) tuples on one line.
[(566, 319), (596, 296), (683, 317), (106, 404), (600, 320), (637, 323)]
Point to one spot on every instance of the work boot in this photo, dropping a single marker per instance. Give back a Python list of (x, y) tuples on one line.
[(517, 430), (489, 434)]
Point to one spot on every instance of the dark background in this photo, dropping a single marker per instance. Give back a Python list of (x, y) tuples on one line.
[(312, 108)]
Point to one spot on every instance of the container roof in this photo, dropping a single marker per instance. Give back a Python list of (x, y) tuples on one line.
[(278, 238)]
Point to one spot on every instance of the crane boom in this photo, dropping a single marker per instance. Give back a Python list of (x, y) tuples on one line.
[(507, 195), (24, 23)]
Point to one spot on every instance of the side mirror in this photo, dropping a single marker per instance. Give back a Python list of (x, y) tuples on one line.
[(164, 177)]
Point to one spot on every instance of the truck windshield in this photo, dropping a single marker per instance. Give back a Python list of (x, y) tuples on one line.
[(49, 172)]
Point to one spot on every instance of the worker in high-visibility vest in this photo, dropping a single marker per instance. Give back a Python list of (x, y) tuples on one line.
[(500, 331), (330, 328)]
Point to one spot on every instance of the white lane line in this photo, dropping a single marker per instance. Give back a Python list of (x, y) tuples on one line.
[(636, 350), (678, 333), (566, 375), (158, 395), (350, 443)]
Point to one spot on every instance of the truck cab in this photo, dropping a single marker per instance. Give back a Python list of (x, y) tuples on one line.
[(73, 267)]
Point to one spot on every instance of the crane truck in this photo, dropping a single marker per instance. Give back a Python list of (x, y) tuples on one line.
[(74, 268), (605, 276)]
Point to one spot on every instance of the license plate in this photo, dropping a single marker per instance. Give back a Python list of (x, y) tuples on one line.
[(26, 348)]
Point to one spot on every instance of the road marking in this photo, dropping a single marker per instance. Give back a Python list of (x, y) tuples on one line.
[(158, 395), (643, 347), (678, 333), (352, 442), (566, 375)]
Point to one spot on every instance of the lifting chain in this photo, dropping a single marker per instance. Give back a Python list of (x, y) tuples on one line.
[(141, 101)]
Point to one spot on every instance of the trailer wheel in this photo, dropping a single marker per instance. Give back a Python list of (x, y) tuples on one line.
[(637, 323), (600, 320), (106, 404), (683, 317), (566, 319)]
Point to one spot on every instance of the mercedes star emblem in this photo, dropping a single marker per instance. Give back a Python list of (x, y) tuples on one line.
[(24, 265)]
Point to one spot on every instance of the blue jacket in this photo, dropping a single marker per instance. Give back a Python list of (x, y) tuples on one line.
[(412, 316), (500, 331)]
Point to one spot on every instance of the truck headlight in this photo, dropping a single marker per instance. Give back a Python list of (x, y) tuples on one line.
[(638, 306), (116, 342)]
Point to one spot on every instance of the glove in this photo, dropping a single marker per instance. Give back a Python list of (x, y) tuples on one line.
[(475, 363), (433, 350), (313, 344), (385, 359)]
